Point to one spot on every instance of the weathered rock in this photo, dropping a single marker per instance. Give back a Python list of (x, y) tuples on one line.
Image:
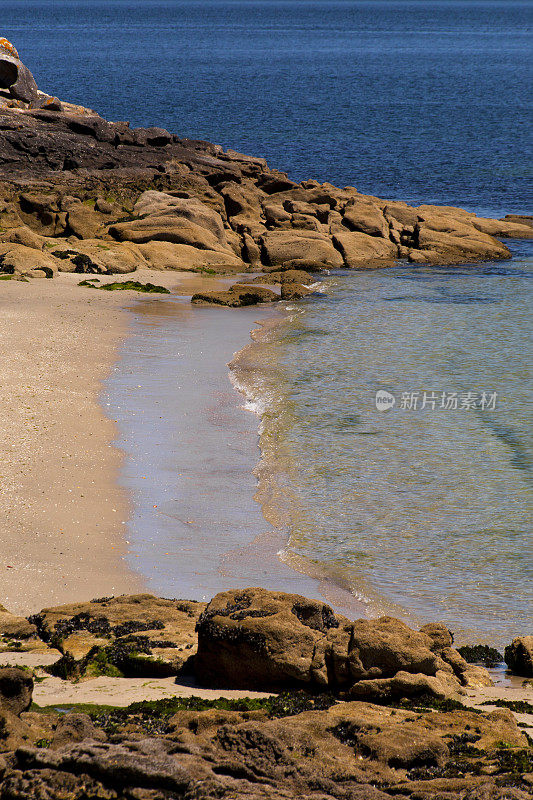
[(285, 276), (82, 221), (300, 248), (361, 251), (506, 228), (16, 687), (145, 764), (521, 219), (25, 236), (243, 205), (95, 256), (73, 727), (422, 256), (351, 751), (365, 217), (163, 630), (305, 222), (46, 102), (262, 294), (441, 636), (255, 639), (166, 255), (16, 259), (14, 626), (403, 684), (455, 238), (469, 675), (16, 77), (160, 204), (276, 216), (169, 228), (294, 291), (237, 296), (519, 656)]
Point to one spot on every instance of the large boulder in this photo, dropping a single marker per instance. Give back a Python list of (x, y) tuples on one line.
[(97, 257), (156, 628), (365, 217), (160, 204), (16, 687), (167, 228), (17, 259), (14, 75), (256, 639), (300, 249), (262, 640), (360, 251), (166, 255), (519, 656)]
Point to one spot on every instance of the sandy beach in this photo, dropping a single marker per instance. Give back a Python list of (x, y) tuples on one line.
[(62, 510)]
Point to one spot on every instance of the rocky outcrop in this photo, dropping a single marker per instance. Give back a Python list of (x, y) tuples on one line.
[(88, 195), (519, 656), (350, 750), (256, 639), (131, 634), (415, 742)]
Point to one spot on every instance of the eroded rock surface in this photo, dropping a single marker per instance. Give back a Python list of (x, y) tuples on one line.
[(257, 639), (416, 742), (132, 634), (349, 751)]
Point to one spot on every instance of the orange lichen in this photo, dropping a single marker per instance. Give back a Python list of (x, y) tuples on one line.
[(11, 50)]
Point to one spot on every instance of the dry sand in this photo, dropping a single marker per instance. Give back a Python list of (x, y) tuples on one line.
[(62, 514)]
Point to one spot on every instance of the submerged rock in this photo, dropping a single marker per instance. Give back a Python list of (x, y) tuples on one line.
[(237, 296)]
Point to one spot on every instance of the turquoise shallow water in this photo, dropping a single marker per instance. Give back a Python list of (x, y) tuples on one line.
[(426, 511)]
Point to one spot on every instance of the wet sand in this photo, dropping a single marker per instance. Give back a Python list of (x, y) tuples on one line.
[(191, 451)]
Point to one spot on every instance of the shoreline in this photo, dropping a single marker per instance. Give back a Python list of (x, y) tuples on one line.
[(277, 507)]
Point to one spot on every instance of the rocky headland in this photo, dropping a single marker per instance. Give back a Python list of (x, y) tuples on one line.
[(81, 194)]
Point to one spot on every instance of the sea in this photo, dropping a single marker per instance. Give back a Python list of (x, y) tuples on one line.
[(373, 444)]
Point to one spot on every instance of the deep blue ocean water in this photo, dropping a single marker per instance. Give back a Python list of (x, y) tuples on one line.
[(420, 100)]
